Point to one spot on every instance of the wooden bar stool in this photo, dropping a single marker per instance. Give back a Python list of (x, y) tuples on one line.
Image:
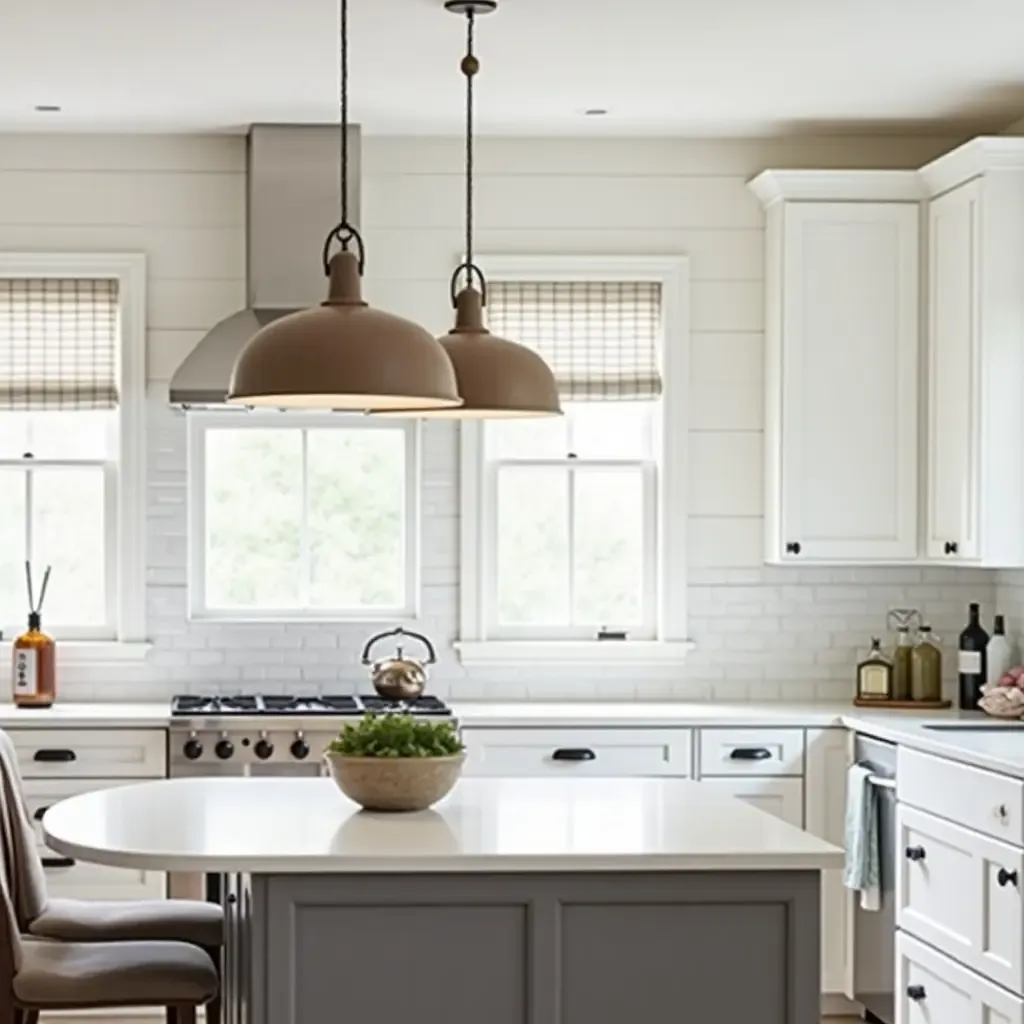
[(85, 921)]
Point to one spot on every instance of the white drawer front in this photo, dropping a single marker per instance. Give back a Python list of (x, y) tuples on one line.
[(91, 753), (78, 879), (990, 803), (932, 989), (960, 891), (783, 798), (751, 751), (583, 752)]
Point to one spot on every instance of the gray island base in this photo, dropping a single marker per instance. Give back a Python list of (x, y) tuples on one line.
[(730, 947)]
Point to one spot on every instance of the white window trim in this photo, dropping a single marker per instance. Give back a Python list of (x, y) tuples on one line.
[(199, 422), (670, 644), (129, 270)]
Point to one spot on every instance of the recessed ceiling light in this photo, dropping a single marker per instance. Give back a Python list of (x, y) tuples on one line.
[(595, 112), (47, 108)]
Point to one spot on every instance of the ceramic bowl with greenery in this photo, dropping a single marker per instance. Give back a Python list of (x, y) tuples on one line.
[(396, 762)]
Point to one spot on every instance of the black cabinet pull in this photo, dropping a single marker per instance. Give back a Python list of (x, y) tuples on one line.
[(58, 862), (916, 992), (950, 547), (1005, 878), (40, 811), (573, 754), (915, 853), (55, 756), (793, 547), (750, 754)]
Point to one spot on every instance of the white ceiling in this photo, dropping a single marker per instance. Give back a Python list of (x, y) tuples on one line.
[(722, 67)]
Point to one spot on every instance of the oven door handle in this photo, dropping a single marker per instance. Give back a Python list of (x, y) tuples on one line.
[(882, 782)]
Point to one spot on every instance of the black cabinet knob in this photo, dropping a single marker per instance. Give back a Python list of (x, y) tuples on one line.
[(300, 749), (573, 754), (750, 754), (58, 862), (793, 547), (263, 748), (916, 992), (193, 749), (224, 749), (915, 853), (950, 547), (54, 756), (1005, 878)]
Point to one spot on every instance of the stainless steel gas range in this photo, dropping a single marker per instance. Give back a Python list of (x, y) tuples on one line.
[(270, 734)]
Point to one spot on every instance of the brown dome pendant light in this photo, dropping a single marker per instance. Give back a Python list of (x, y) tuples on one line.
[(497, 378), (343, 354)]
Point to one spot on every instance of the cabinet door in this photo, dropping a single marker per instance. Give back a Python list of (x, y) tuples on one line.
[(960, 891), (784, 798), (828, 756), (932, 989), (953, 375), (848, 372)]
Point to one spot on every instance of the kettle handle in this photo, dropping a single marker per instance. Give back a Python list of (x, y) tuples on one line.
[(399, 632)]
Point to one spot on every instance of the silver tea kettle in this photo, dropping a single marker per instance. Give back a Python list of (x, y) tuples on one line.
[(399, 677)]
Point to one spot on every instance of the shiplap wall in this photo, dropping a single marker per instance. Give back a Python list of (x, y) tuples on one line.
[(761, 633)]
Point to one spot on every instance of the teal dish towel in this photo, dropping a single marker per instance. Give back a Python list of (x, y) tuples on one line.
[(863, 865)]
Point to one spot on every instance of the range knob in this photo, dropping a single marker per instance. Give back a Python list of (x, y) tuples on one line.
[(224, 749), (193, 749), (263, 748), (300, 748)]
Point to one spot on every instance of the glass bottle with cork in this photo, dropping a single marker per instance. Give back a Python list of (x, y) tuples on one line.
[(926, 668), (35, 654), (874, 676), (902, 620)]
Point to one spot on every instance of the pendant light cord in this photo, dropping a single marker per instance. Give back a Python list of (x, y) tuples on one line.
[(469, 66), (344, 233)]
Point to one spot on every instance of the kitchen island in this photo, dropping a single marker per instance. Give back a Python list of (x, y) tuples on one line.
[(514, 901)]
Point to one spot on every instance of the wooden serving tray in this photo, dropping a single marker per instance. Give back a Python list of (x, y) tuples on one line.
[(920, 705)]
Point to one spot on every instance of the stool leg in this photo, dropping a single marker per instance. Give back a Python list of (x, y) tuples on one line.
[(183, 1014), (212, 1010)]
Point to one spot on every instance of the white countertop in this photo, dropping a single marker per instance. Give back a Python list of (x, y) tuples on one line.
[(94, 715), (306, 825)]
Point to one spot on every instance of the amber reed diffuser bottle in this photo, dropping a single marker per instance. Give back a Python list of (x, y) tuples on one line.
[(35, 654)]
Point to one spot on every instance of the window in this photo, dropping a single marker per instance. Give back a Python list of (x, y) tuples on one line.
[(301, 516), (72, 443), (567, 537)]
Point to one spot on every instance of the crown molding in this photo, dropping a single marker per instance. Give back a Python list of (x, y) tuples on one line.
[(980, 155), (837, 186)]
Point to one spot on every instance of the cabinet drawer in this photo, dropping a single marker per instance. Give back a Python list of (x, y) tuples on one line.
[(784, 798), (91, 753), (960, 891), (751, 751), (973, 797), (932, 989), (79, 879), (583, 752)]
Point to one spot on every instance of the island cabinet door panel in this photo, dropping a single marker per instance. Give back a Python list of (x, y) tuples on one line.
[(537, 948), (845, 464), (961, 891), (783, 798), (563, 753), (932, 989)]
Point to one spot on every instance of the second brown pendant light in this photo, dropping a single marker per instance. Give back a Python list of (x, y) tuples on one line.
[(496, 378)]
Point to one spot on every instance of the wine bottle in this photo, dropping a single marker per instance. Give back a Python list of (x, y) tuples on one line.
[(971, 659)]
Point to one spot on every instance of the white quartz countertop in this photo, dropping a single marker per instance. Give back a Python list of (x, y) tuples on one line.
[(92, 715), (306, 825)]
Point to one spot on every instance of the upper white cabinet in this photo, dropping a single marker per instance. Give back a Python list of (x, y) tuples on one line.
[(842, 365), (975, 358)]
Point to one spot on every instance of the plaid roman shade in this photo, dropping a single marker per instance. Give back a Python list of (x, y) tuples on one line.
[(600, 338), (58, 343)]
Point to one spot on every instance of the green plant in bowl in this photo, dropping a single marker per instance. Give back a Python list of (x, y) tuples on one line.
[(396, 762)]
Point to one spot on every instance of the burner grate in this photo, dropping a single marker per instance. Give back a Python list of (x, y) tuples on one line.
[(303, 704)]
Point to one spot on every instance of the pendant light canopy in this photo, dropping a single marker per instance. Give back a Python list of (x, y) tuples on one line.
[(343, 354), (497, 378)]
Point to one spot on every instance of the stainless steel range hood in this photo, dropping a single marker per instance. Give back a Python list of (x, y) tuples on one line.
[(293, 196)]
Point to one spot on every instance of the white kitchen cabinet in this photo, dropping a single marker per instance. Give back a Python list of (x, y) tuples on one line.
[(784, 798), (828, 756), (932, 989), (961, 892), (578, 753), (842, 365), (974, 503)]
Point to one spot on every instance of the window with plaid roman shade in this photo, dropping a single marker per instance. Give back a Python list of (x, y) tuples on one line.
[(58, 343), (600, 338)]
